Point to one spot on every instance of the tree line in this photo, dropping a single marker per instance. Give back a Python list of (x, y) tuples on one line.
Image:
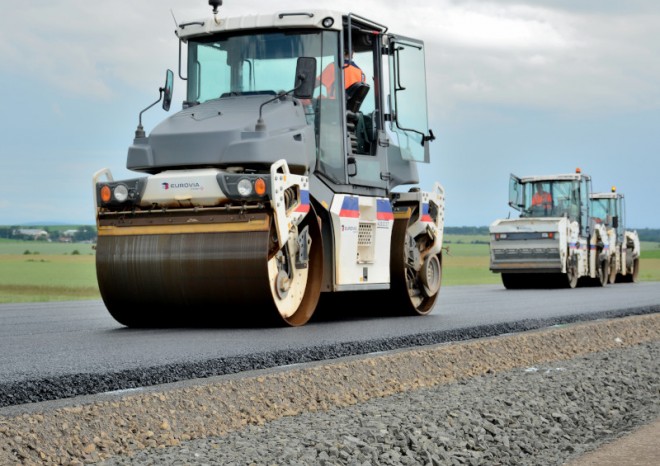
[(88, 233), (73, 233)]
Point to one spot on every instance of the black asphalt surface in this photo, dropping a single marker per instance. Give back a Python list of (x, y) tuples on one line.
[(50, 351)]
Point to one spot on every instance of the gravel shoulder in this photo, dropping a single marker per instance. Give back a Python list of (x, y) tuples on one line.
[(539, 397)]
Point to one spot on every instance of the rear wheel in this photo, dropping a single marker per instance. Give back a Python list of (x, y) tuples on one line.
[(602, 273), (631, 268), (634, 276), (612, 275), (571, 278), (415, 277)]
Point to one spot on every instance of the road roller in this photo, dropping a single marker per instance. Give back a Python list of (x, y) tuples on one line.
[(282, 180)]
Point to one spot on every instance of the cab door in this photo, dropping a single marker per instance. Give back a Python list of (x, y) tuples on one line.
[(516, 200), (408, 100)]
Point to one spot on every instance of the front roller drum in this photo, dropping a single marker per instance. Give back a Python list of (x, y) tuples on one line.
[(207, 278)]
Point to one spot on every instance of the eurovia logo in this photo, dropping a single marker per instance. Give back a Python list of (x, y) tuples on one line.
[(193, 185)]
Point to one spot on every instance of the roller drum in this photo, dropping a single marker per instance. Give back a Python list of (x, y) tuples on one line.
[(192, 278)]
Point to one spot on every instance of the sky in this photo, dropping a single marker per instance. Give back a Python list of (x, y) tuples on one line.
[(515, 87)]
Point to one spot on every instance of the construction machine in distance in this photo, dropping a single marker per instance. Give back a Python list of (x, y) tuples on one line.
[(554, 242), (267, 191), (608, 209)]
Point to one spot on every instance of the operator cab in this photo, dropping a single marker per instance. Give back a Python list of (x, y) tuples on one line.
[(367, 137), (552, 196), (608, 210)]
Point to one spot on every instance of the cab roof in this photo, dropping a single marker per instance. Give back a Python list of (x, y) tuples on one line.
[(319, 19)]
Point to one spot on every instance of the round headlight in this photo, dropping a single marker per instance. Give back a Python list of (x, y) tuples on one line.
[(245, 187), (120, 193), (327, 22)]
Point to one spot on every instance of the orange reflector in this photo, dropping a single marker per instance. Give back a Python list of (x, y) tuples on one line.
[(260, 186), (105, 194), (551, 235)]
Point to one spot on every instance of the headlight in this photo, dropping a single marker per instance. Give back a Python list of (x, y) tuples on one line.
[(244, 187), (327, 22), (120, 193)]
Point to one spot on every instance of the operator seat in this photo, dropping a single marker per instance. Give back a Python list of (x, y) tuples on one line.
[(355, 95)]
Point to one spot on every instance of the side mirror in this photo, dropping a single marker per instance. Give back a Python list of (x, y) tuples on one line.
[(615, 222), (164, 93), (168, 89), (305, 78)]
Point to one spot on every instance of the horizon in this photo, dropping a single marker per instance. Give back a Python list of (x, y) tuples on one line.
[(63, 224)]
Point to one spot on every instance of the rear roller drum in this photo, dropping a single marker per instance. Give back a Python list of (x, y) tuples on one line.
[(415, 278)]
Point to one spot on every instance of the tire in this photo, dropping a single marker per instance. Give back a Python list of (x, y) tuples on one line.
[(634, 276), (571, 276), (612, 275), (415, 291), (602, 273)]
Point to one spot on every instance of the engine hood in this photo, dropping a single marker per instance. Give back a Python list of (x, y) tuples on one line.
[(221, 132)]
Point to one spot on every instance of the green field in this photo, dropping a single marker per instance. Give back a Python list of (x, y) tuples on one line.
[(34, 271)]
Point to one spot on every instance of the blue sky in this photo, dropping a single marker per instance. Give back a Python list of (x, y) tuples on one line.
[(523, 87)]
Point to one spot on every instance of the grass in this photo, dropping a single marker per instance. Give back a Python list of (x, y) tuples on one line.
[(649, 262), (37, 271), (466, 263)]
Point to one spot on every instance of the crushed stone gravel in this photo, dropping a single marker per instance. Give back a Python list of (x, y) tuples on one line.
[(539, 398)]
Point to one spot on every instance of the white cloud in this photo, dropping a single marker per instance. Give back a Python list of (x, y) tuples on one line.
[(539, 58), (491, 26), (477, 51)]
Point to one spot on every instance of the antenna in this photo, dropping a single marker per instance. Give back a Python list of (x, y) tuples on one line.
[(175, 23)]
